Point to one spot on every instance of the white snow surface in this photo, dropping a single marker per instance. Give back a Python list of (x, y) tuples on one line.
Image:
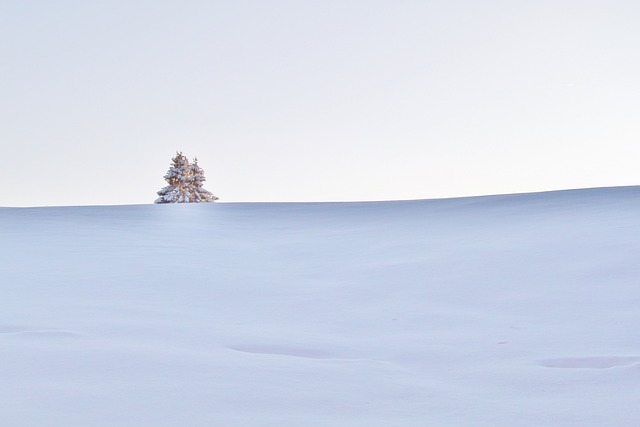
[(515, 310)]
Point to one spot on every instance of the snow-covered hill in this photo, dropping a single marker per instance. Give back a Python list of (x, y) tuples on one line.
[(517, 310)]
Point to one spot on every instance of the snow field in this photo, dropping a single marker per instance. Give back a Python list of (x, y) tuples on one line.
[(486, 311)]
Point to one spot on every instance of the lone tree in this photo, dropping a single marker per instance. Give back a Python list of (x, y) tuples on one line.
[(185, 183)]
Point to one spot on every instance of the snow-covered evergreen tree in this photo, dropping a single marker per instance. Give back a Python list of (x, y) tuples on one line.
[(178, 178), (185, 183), (198, 194)]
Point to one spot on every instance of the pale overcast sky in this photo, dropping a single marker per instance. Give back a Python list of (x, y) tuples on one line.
[(307, 100)]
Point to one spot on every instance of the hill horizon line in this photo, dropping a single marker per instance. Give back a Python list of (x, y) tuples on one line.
[(496, 195)]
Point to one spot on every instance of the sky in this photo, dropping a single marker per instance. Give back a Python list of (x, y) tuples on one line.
[(331, 100)]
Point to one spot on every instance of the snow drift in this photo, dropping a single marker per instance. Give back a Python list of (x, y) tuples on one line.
[(486, 311)]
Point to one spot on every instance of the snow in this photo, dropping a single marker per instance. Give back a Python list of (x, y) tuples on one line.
[(485, 311)]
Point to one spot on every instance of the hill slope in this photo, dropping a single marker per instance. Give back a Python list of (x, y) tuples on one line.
[(486, 311)]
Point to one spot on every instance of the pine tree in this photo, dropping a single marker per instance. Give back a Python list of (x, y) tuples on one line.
[(178, 178), (185, 183), (198, 194)]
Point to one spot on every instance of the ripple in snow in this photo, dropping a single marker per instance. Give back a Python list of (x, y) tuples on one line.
[(604, 362), (37, 334), (308, 353)]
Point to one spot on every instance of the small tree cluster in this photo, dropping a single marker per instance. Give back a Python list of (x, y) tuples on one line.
[(185, 183)]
